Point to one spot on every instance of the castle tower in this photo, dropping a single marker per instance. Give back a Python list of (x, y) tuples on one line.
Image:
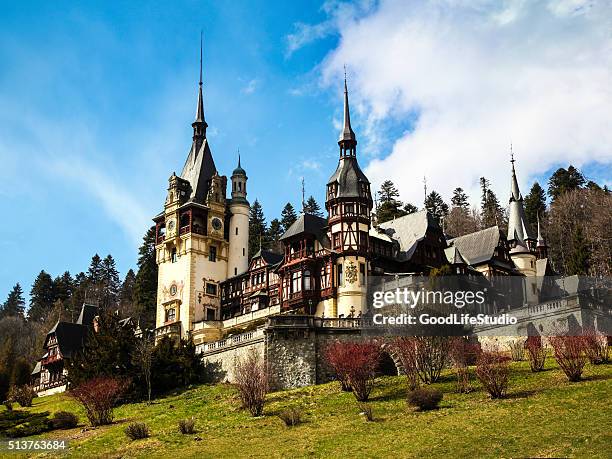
[(349, 204), (192, 244), (522, 240), (239, 208), (541, 247)]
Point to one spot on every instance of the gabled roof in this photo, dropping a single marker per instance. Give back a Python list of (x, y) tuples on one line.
[(408, 231), (479, 246), (69, 337), (88, 312), (198, 171), (269, 257), (306, 224), (454, 257)]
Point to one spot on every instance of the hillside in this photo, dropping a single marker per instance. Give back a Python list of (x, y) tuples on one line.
[(544, 415)]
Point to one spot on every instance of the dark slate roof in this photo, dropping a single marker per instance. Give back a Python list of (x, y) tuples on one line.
[(269, 257), (88, 312), (453, 255), (308, 224), (479, 246), (518, 228), (408, 231), (198, 171), (349, 176), (70, 337), (239, 170)]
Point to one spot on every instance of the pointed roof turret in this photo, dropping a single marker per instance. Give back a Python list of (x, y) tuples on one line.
[(541, 241), (200, 125), (239, 170), (519, 230), (347, 139)]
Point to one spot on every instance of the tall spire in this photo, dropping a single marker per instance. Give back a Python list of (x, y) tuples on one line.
[(518, 227), (199, 125), (515, 194), (347, 140), (541, 242)]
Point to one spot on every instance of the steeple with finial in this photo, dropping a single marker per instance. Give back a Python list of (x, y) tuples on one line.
[(347, 140), (541, 247), (519, 231), (199, 125)]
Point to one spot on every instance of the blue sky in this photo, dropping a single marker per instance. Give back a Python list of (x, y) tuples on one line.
[(96, 101)]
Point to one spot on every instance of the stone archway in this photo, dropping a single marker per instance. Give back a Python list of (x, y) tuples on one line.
[(390, 359)]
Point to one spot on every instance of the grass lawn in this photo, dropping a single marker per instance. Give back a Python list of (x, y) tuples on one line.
[(543, 416)]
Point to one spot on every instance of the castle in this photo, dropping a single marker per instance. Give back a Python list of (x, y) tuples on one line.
[(208, 288)]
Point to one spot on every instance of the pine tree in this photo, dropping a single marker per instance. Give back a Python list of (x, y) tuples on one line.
[(436, 206), (564, 180), (14, 304), (111, 284), (578, 262), (274, 233), (257, 229), (126, 296), (491, 210), (390, 207), (460, 199), (145, 286), (288, 216), (94, 273), (80, 294), (42, 297), (535, 204), (312, 207), (410, 208), (63, 287)]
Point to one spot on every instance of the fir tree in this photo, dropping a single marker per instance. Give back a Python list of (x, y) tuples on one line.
[(410, 208), (42, 297), (94, 273), (390, 207), (312, 207), (436, 206), (535, 204), (126, 296), (288, 216), (145, 286), (63, 286), (274, 233), (111, 284), (460, 199), (578, 262), (257, 229), (564, 180), (80, 288), (14, 304), (491, 210)]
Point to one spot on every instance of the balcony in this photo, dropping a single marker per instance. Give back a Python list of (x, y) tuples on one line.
[(172, 329)]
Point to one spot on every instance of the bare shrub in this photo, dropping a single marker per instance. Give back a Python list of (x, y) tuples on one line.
[(99, 396), (536, 351), (357, 363), (23, 395), (425, 398), (137, 431), (423, 355), (187, 426), (64, 420), (406, 348), (596, 346), (291, 416), (366, 410), (570, 354), (336, 355), (493, 373), (252, 381), (462, 352), (517, 350)]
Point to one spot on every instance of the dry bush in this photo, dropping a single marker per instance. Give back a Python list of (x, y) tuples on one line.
[(291, 416), (137, 431), (22, 394), (570, 354), (366, 410), (517, 350), (536, 351), (462, 353), (357, 363), (251, 377), (99, 396), (596, 346), (64, 420), (425, 398), (493, 373), (406, 348), (187, 426), (423, 355)]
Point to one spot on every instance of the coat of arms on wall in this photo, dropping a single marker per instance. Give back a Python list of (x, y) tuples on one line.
[(351, 273)]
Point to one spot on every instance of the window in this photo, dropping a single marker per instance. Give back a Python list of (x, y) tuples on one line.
[(173, 257), (243, 251), (240, 186), (210, 314), (296, 279), (211, 289), (212, 253), (362, 273), (336, 240), (171, 315), (236, 231), (363, 238), (349, 209), (340, 276), (235, 271), (307, 280)]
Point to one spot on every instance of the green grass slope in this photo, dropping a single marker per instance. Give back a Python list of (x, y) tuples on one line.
[(543, 416)]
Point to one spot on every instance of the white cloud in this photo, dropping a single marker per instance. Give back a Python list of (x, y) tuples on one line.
[(480, 74), (250, 87)]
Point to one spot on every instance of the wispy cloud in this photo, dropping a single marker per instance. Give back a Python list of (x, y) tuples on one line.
[(307, 33), (251, 86)]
